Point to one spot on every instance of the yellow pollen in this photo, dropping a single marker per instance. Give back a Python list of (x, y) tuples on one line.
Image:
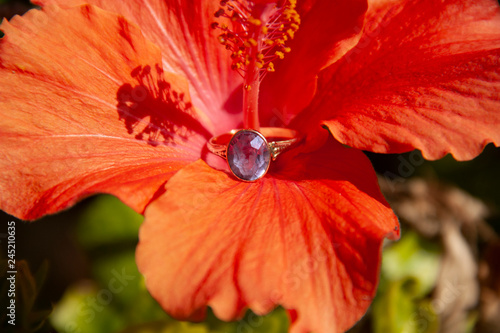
[(255, 21), (270, 67), (222, 40), (287, 49), (280, 55), (252, 41)]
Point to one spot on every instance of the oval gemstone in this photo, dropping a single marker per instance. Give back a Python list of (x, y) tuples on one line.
[(248, 155)]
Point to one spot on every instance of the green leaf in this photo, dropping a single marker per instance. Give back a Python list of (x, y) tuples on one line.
[(108, 221), (114, 300), (412, 257), (275, 322), (169, 327), (81, 311), (119, 274), (409, 272), (399, 310)]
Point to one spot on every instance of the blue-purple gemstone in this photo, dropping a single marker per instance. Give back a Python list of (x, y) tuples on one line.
[(248, 155)]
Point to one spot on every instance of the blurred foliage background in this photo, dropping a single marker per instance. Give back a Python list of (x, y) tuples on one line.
[(77, 273)]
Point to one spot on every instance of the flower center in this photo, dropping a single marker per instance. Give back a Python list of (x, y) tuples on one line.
[(257, 37)]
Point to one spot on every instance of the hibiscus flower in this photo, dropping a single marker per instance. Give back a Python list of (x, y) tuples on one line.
[(121, 97)]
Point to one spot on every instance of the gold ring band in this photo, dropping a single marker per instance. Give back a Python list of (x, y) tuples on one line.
[(249, 152)]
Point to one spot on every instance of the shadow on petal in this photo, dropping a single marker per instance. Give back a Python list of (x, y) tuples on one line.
[(153, 111)]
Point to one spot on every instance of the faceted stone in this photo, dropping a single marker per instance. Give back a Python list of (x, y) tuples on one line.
[(248, 155)]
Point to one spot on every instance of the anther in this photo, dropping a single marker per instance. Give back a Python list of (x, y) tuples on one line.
[(220, 12), (222, 40), (254, 21)]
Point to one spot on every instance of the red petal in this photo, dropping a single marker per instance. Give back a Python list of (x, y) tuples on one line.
[(425, 75), (83, 117), (181, 28), (328, 30), (264, 1), (307, 237)]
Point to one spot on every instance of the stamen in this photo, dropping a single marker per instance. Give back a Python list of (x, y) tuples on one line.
[(266, 27), (257, 37)]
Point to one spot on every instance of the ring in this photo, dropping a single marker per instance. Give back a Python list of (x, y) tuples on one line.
[(249, 152)]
